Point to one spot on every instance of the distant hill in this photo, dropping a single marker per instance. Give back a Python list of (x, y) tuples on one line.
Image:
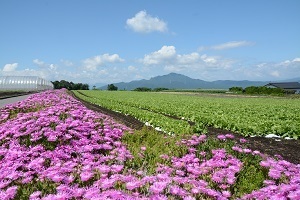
[(179, 81), (98, 85)]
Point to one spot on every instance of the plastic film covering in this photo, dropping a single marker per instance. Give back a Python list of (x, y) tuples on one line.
[(24, 83)]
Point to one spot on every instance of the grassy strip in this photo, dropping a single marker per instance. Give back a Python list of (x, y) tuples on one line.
[(155, 145), (150, 148)]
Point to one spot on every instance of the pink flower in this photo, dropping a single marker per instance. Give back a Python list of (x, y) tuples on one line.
[(35, 195), (269, 182), (91, 193), (264, 163), (226, 194), (116, 168), (229, 136), (247, 150), (158, 187), (132, 185), (242, 140), (11, 191), (221, 137), (175, 190), (104, 169), (107, 183), (143, 148), (231, 180), (238, 149), (86, 175), (57, 178), (4, 183), (189, 198), (275, 174), (195, 190)]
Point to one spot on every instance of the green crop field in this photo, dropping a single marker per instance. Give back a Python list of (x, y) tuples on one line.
[(172, 112)]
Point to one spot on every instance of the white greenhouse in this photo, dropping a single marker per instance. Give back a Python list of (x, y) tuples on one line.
[(24, 83)]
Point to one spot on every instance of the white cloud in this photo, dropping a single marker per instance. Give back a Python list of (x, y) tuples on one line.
[(188, 58), (171, 61), (275, 73), (271, 70), (229, 45), (296, 60), (226, 45), (38, 62), (44, 65), (290, 62), (145, 23), (166, 53), (168, 59), (131, 68), (209, 59), (91, 64), (66, 62), (10, 67)]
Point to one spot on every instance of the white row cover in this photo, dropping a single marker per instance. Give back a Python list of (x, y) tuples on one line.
[(24, 83)]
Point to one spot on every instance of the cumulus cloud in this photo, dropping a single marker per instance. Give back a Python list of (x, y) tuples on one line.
[(10, 67), (188, 58), (92, 63), (171, 60), (44, 65), (38, 62), (209, 59), (166, 53), (145, 23), (296, 60), (288, 62), (272, 70)]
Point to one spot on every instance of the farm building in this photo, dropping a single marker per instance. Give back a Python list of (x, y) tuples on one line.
[(288, 86), (24, 83)]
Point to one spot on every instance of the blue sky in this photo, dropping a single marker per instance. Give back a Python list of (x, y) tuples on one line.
[(110, 41)]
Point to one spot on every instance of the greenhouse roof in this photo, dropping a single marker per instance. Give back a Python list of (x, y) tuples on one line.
[(27, 83)]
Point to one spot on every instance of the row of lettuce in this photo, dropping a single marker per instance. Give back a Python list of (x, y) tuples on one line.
[(173, 112), (52, 147)]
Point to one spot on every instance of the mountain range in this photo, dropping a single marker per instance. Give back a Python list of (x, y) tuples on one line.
[(179, 81)]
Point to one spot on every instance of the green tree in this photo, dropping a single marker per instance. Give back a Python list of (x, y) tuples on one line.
[(70, 85), (142, 89), (236, 89), (112, 87)]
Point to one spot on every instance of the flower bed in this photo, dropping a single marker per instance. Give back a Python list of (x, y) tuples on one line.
[(52, 147)]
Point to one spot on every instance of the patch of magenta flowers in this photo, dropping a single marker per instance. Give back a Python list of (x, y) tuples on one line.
[(78, 154)]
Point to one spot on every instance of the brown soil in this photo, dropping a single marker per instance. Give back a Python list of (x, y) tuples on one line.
[(287, 149)]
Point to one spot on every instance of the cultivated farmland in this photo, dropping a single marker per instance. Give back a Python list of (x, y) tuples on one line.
[(173, 113)]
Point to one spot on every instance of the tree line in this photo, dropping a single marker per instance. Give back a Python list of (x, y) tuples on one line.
[(112, 87), (70, 85), (260, 90)]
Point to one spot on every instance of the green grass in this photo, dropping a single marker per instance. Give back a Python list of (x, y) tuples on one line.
[(156, 145), (250, 177)]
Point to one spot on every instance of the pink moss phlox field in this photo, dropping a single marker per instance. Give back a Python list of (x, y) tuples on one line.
[(78, 154)]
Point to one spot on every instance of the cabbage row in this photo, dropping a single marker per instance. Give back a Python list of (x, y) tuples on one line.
[(248, 116)]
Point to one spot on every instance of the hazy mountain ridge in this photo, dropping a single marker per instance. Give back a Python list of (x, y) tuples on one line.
[(179, 81)]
